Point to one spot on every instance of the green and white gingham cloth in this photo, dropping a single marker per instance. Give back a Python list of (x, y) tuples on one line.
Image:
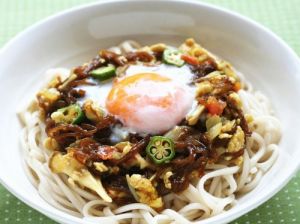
[(283, 17)]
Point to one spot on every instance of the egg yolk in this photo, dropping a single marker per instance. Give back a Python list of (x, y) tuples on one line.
[(148, 102)]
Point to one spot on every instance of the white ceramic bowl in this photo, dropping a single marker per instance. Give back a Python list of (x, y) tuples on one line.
[(74, 36)]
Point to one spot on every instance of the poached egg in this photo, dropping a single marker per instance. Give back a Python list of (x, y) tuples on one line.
[(146, 99)]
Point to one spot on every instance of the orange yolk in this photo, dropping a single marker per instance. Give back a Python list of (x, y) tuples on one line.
[(148, 102)]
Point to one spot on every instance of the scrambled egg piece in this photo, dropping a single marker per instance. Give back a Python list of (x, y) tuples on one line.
[(237, 141), (226, 67), (203, 88), (213, 126), (166, 177), (124, 148), (213, 76), (143, 191), (48, 96), (249, 118), (54, 82), (195, 115), (67, 82), (238, 161), (194, 49), (51, 144), (236, 99), (224, 135), (228, 126), (92, 111), (68, 165), (100, 166), (189, 45), (158, 47), (214, 131), (212, 121)]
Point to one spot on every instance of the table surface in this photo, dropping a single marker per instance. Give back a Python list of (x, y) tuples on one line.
[(282, 17)]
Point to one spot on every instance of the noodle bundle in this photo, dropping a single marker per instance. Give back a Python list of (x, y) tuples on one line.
[(212, 177)]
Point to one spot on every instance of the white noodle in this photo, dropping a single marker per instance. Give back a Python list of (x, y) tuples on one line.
[(213, 194)]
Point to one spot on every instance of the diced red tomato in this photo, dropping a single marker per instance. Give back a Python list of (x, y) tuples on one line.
[(214, 106), (190, 59)]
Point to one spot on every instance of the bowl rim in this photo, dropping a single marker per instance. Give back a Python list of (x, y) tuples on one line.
[(237, 213)]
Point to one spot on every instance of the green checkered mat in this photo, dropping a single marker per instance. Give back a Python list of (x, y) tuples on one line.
[(280, 16)]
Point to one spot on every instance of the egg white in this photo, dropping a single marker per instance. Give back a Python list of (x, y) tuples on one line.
[(98, 92), (180, 75)]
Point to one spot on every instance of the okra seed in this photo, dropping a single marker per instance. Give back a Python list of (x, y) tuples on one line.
[(153, 150), (159, 156)]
